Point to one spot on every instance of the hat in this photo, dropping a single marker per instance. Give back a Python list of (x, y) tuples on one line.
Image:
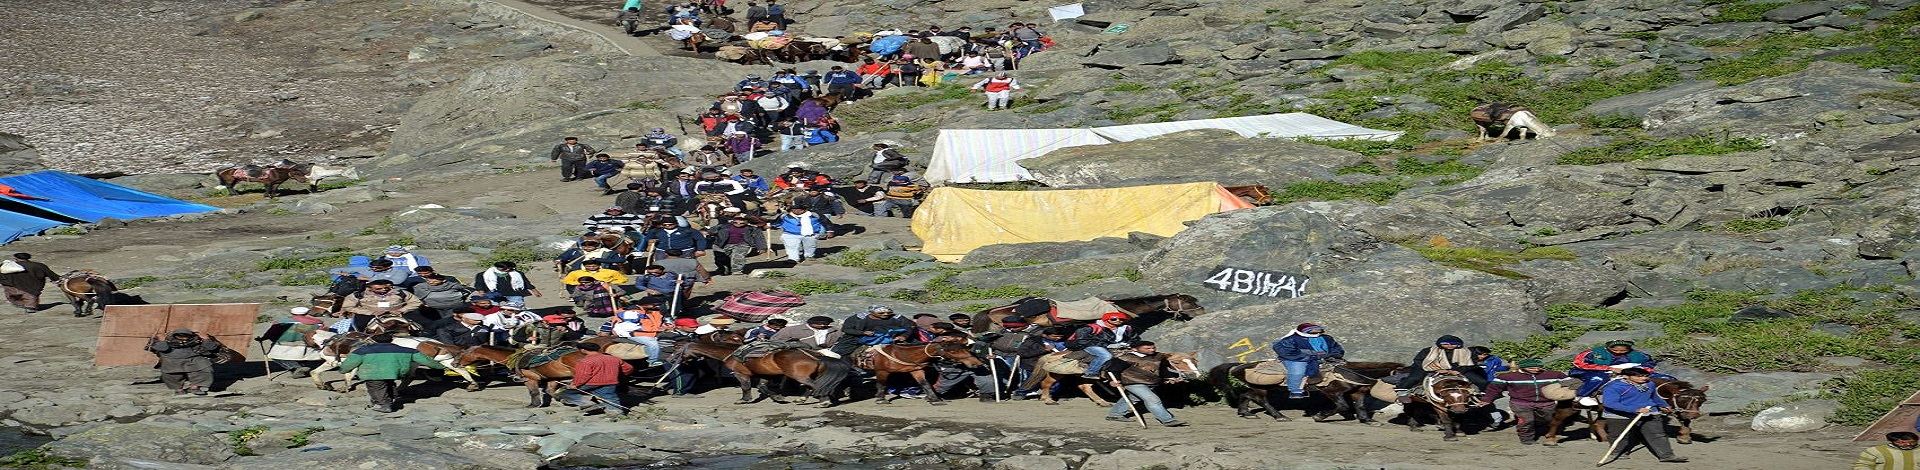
[(303, 319), (731, 209), (1449, 339), (299, 310), (615, 208), (752, 76), (1307, 326), (686, 322), (1014, 320), (659, 129), (554, 319), (635, 186), (722, 321), (473, 316), (183, 332), (1111, 316), (1532, 363), (396, 249)]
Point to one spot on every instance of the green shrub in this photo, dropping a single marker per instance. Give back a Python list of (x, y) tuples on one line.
[(811, 287), (1489, 261), (325, 261), (1753, 225), (864, 259), (1743, 12), (1395, 61), (1376, 192), (1370, 148), (886, 278), (1641, 149), (307, 278), (1413, 167), (39, 459), (1160, 112), (942, 289), (1359, 168), (1126, 87), (326, 185), (241, 439), (1867, 394)]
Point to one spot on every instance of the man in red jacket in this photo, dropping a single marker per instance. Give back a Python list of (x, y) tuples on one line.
[(596, 381)]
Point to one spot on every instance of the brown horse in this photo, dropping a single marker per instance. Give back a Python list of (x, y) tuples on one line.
[(1680, 394), (912, 359), (821, 374), (1183, 363), (1346, 384), (542, 381), (1145, 311), (87, 290), (1451, 397), (231, 177)]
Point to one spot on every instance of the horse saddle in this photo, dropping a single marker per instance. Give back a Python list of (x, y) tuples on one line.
[(255, 171), (537, 358), (864, 356)]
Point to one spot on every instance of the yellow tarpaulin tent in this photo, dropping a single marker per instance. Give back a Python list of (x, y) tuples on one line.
[(954, 221)]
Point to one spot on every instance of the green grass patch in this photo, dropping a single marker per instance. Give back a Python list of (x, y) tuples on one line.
[(241, 439), (888, 277), (1489, 261), (327, 185), (332, 259), (1734, 12), (942, 289), (1126, 87), (1642, 149), (1370, 148), (1753, 225), (1376, 192), (39, 459), (1395, 61), (864, 259), (133, 282), (305, 279), (1413, 167), (811, 287), (1866, 395), (1360, 169), (1160, 112)]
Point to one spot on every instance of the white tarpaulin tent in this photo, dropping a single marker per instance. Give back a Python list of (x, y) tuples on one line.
[(991, 155), (1064, 12)]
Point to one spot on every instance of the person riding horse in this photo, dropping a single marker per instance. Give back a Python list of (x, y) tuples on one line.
[(1448, 356), (1100, 338)]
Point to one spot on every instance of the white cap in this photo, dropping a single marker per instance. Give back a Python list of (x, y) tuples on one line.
[(300, 310)]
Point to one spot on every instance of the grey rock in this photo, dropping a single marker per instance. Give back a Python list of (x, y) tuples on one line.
[(1564, 198), (1719, 31), (1771, 109), (1733, 393), (16, 157), (310, 207), (1273, 162), (1303, 54), (1506, 18), (1047, 252), (364, 452), (1130, 459), (1638, 104), (1886, 119), (346, 195), (1792, 13), (110, 443), (1799, 416), (1132, 56)]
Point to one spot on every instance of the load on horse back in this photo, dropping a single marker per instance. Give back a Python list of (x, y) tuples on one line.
[(88, 290), (1066, 367), (335, 348), (1682, 395), (1512, 117), (1261, 384), (271, 176), (1145, 312)]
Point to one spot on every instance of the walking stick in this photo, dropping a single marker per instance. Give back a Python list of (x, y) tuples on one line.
[(674, 308), (1608, 457), (1126, 397), (647, 259), (768, 238), (993, 367), (266, 364), (597, 398)]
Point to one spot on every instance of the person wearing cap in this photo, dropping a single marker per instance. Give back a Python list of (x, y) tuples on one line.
[(1004, 341), (1595, 366), (735, 241), (1448, 356), (466, 330), (25, 280), (572, 156), (186, 360), (878, 325), (551, 331), (902, 193), (669, 235), (731, 213), (801, 231), (603, 168), (819, 333), (505, 282), (1101, 337), (641, 324), (381, 269), (439, 296), (740, 147), (713, 324), (658, 137), (380, 365), (380, 298), (289, 348), (999, 88), (405, 260), (1632, 395), (753, 80), (1522, 386), (1301, 351), (611, 217), (597, 298), (799, 178)]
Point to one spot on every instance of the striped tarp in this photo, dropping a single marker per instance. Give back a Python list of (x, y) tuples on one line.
[(993, 155), (757, 306), (1288, 125)]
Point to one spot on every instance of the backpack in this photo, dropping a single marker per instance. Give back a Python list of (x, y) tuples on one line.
[(344, 285), (776, 10)]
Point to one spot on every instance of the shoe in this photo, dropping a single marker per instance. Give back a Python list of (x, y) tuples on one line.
[(566, 180), (197, 391), (383, 409), (1090, 376), (1528, 443), (1674, 460), (1297, 395), (1174, 424), (1117, 418), (180, 392)]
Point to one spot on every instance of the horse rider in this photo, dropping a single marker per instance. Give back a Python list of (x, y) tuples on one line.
[(680, 379), (1595, 366), (505, 282), (23, 278), (756, 184), (381, 365), (877, 326), (550, 332), (591, 268), (659, 138), (439, 297), (1050, 340), (572, 156), (766, 330), (466, 330), (715, 324), (612, 217), (671, 236), (1635, 394), (380, 298), (1532, 409), (716, 183), (820, 334), (290, 349), (1004, 344), (641, 324), (352, 277), (186, 360), (405, 260), (576, 258), (1099, 338), (1301, 351), (1137, 372), (1447, 356)]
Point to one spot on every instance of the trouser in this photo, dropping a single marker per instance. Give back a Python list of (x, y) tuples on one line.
[(1533, 417), (1100, 357), (1011, 371), (800, 247), (601, 180), (792, 142), (873, 82), (381, 392), (1297, 373), (999, 99), (877, 175), (886, 206), (652, 345), (573, 168), (952, 377), (201, 379), (1147, 399), (733, 258), (846, 345), (845, 90), (1652, 431), (609, 396), (681, 380), (23, 299)]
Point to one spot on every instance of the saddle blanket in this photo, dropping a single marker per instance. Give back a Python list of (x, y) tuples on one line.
[(1088, 309), (536, 358)]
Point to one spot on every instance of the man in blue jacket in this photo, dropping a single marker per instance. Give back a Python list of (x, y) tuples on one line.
[(1630, 395), (1301, 351), (602, 168), (840, 80), (671, 236)]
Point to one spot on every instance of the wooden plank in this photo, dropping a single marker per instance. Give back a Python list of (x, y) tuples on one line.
[(125, 344), (134, 320), (1900, 418)]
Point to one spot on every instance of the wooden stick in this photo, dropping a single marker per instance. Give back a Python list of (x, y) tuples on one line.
[(1608, 457), (1126, 397)]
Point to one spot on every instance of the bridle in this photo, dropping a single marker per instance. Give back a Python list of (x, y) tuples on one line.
[(1167, 305), (1682, 402), (1193, 370)]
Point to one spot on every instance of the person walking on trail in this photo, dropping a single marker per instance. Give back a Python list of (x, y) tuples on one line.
[(885, 159), (1301, 352), (572, 156), (841, 81), (1634, 394), (23, 279), (186, 360), (1137, 372), (381, 365), (1100, 338), (1529, 407), (999, 89), (801, 231), (734, 243), (1896, 454), (597, 375)]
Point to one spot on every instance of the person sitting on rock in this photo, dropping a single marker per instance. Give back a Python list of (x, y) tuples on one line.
[(877, 326), (602, 168), (1099, 338), (186, 360), (862, 196), (1448, 356), (1301, 350), (819, 334), (379, 299), (1595, 366), (901, 194), (352, 277)]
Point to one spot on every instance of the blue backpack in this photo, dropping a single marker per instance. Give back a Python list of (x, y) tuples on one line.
[(887, 45), (776, 10)]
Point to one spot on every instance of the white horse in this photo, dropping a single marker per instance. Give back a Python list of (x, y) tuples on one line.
[(1488, 115), (317, 173)]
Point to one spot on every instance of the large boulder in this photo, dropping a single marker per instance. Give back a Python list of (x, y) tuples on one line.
[(1048, 252), (1213, 155), (128, 445), (1799, 416), (1560, 198), (16, 157), (1736, 392), (1774, 109)]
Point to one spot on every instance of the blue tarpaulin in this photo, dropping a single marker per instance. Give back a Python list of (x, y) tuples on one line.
[(16, 225), (69, 196)]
